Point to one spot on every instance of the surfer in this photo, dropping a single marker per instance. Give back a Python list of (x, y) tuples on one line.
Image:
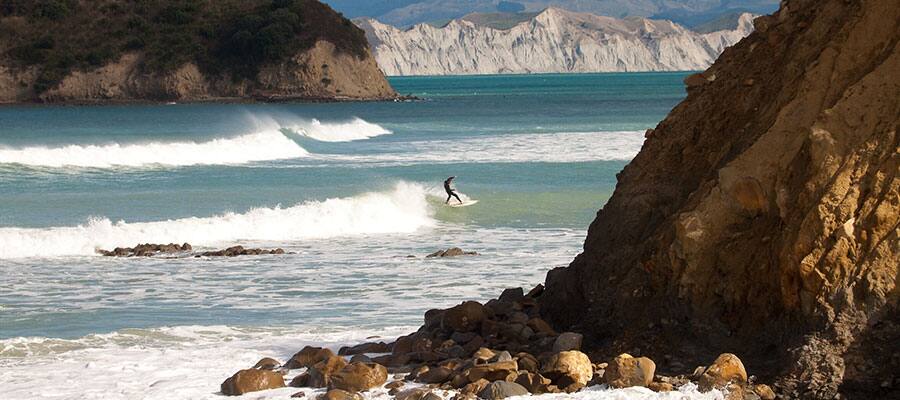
[(450, 192)]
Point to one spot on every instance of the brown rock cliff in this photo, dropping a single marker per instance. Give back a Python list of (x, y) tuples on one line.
[(761, 216)]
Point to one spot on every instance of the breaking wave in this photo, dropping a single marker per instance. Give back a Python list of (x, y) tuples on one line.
[(403, 209)]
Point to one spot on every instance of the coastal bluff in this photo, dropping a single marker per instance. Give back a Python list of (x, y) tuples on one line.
[(62, 51), (761, 216)]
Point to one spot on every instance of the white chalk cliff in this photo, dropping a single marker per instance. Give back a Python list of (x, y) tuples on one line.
[(555, 40)]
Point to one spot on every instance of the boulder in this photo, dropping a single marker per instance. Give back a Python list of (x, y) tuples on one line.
[(569, 370), (361, 358), (725, 369), (365, 348), (498, 371), (358, 377), (764, 392), (528, 362), (483, 355), (568, 341), (465, 317), (321, 373), (268, 364), (626, 371), (435, 375), (338, 394), (251, 380), (474, 388), (534, 383), (301, 380), (307, 357), (501, 390)]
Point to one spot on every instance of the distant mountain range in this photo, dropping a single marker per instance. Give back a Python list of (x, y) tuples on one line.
[(404, 13), (554, 40)]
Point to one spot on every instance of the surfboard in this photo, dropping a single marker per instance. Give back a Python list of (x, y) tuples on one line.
[(463, 204)]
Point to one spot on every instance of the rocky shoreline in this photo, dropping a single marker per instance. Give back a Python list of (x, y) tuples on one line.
[(186, 250), (490, 351)]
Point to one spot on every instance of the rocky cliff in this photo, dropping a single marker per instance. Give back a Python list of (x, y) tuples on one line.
[(183, 51), (761, 216), (554, 40)]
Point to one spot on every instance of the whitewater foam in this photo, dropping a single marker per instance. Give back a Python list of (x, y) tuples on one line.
[(190, 362), (260, 146), (355, 129), (403, 209)]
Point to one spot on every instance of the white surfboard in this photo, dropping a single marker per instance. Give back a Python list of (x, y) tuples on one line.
[(463, 204)]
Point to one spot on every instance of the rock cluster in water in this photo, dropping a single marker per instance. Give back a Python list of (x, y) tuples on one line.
[(150, 250), (452, 252), (490, 351)]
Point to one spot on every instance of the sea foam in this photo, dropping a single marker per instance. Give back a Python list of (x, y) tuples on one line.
[(403, 209)]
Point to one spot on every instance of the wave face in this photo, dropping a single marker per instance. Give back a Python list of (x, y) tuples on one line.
[(261, 146), (404, 209), (355, 129)]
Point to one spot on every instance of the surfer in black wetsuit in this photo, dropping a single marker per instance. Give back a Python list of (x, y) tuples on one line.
[(450, 192)]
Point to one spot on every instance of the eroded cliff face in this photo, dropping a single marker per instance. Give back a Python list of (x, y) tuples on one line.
[(555, 40), (320, 73), (761, 216)]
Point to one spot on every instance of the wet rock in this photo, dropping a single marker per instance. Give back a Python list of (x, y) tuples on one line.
[(463, 337), (321, 373), (361, 358), (146, 250), (451, 252), (498, 371), (301, 380), (534, 383), (338, 394), (235, 251), (465, 317), (412, 394), (307, 357), (501, 390), (570, 370), (358, 377), (660, 387), (626, 371), (568, 341), (268, 364), (725, 369), (528, 362), (394, 384), (251, 380), (435, 375), (365, 348), (298, 395)]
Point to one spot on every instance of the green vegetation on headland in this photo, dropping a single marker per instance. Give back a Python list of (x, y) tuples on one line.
[(234, 37)]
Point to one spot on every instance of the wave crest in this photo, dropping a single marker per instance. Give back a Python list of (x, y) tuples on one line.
[(261, 146), (403, 209), (355, 129)]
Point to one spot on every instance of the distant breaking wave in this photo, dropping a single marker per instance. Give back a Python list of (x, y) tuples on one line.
[(356, 129), (261, 146), (403, 209), (268, 142)]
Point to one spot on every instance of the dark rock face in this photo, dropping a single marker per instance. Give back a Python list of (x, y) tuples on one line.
[(767, 201)]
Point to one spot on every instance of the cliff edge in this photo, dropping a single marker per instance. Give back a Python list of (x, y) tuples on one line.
[(70, 51), (761, 216)]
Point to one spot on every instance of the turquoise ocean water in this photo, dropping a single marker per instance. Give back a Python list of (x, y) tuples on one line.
[(352, 190)]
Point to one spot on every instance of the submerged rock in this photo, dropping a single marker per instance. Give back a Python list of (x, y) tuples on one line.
[(146, 250), (235, 251), (452, 252)]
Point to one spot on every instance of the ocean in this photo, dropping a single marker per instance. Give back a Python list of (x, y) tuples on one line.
[(351, 191)]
